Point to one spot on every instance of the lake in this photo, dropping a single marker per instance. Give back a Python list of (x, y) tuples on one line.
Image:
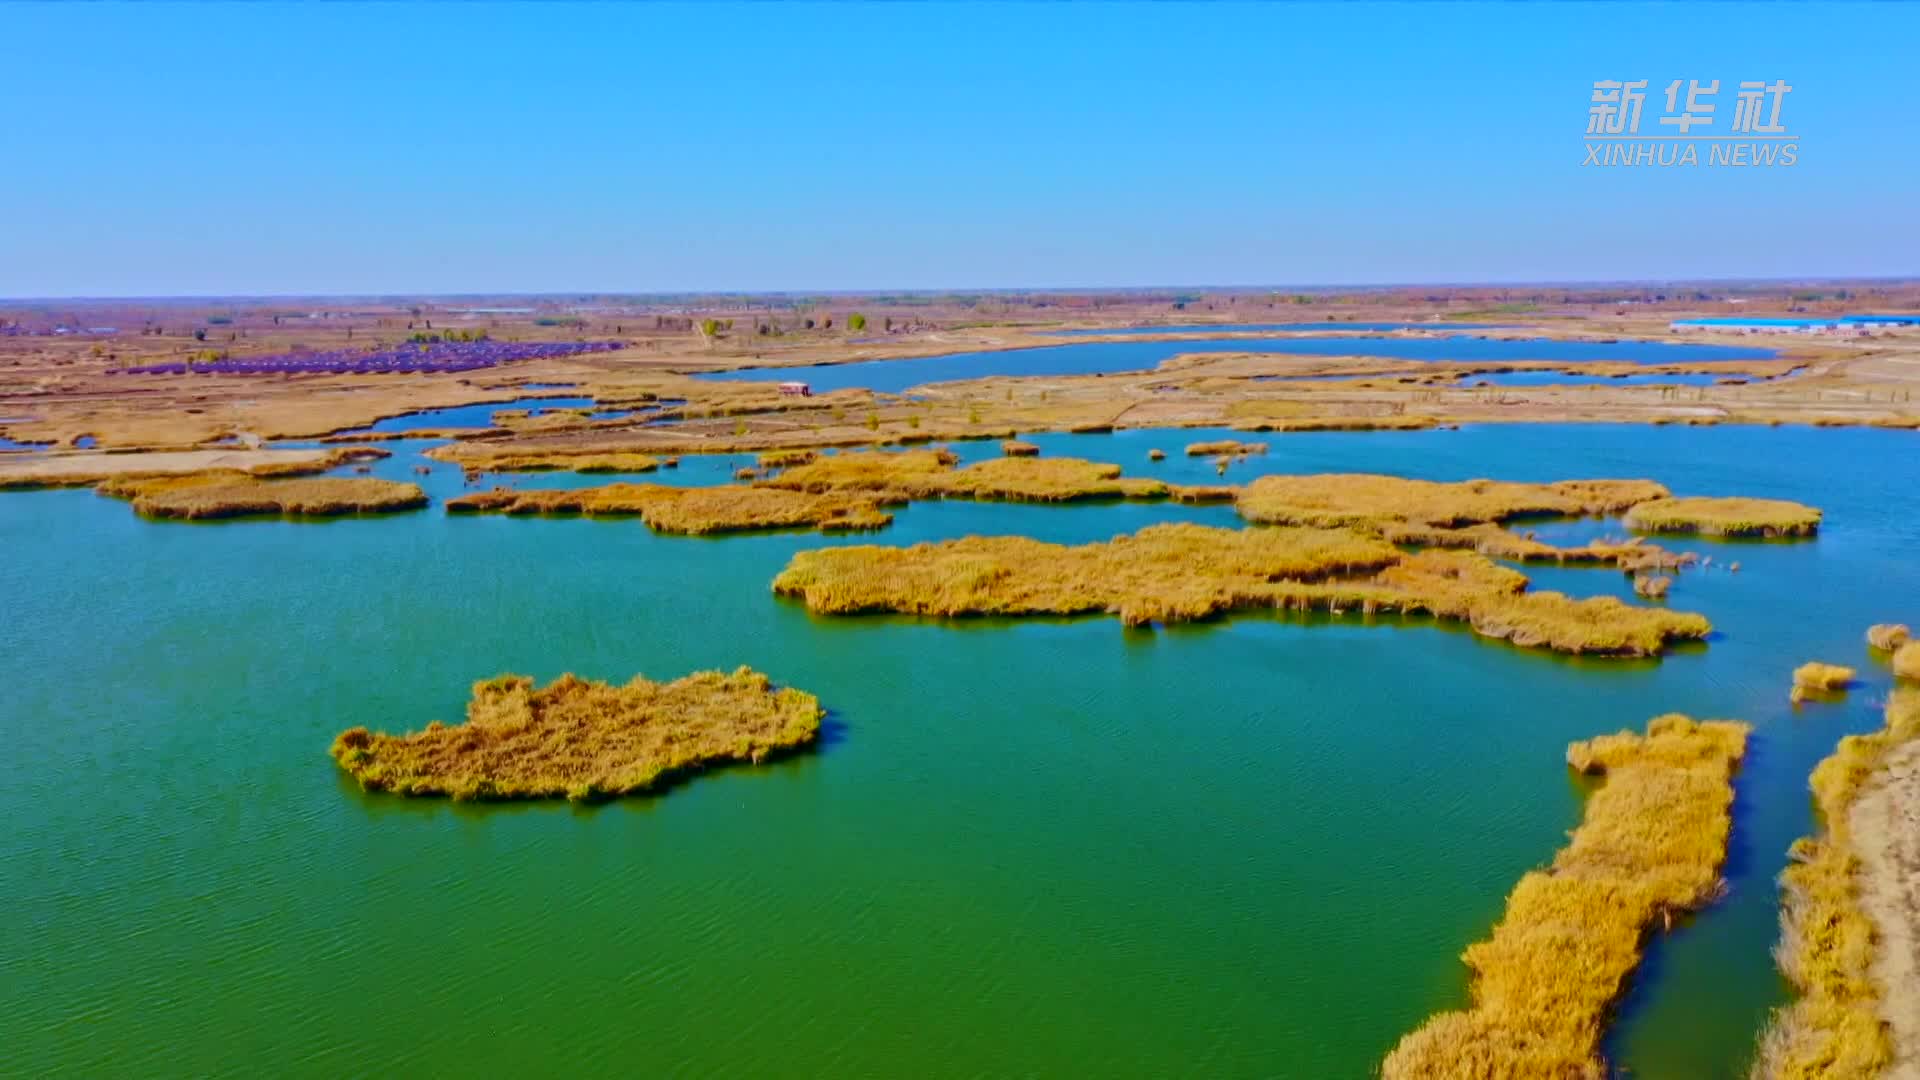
[(1252, 847), (1105, 357), (1215, 328)]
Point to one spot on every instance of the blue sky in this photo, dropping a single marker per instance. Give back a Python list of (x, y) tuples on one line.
[(264, 149)]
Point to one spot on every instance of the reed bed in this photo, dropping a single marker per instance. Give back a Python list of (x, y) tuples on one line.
[(784, 459), (1016, 448), (1815, 675), (1203, 493), (930, 474), (1228, 447), (1835, 1028), (1176, 573), (1156, 454), (690, 511), (1652, 586), (1906, 661), (1650, 846), (333, 459), (1725, 517), (1164, 573), (1340, 423), (1888, 637), (867, 471), (585, 740), (1362, 500), (612, 462), (218, 494), (1633, 554)]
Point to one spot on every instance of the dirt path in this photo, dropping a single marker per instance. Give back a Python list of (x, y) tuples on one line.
[(1886, 830)]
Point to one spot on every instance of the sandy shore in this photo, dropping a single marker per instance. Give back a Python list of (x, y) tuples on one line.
[(1886, 829)]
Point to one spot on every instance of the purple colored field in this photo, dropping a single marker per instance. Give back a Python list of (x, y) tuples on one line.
[(393, 359)]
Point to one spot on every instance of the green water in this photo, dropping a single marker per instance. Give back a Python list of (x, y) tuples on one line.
[(1253, 847)]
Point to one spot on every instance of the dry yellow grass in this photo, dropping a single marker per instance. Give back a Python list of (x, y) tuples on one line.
[(1815, 675), (1651, 845), (1888, 637), (1906, 661), (1164, 573), (1495, 542), (1652, 586), (1016, 448), (227, 494), (613, 462), (930, 474), (690, 511), (1203, 493), (585, 740), (1371, 501), (1827, 940), (1336, 423), (1171, 573), (1229, 447), (867, 471), (1725, 517), (1156, 455), (784, 459)]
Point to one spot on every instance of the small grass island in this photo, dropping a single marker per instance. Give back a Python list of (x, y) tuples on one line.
[(1725, 517), (583, 740), (207, 496)]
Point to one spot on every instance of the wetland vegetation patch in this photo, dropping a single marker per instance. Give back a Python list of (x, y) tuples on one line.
[(694, 511), (228, 494), (1366, 500), (930, 474), (1181, 572), (1828, 940), (1651, 845), (585, 740), (1725, 517)]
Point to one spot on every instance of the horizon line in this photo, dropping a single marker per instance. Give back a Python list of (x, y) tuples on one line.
[(1010, 290)]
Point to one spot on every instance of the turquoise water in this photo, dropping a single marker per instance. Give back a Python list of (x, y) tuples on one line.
[(1520, 378), (1342, 327), (1252, 847), (1563, 378), (1101, 357)]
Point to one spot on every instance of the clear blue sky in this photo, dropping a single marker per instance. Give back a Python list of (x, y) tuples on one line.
[(258, 149)]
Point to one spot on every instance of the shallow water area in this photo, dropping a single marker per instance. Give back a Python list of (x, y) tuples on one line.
[(1248, 847), (1107, 357), (1310, 327), (1563, 378), (480, 415)]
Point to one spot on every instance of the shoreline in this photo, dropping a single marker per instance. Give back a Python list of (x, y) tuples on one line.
[(1886, 824)]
